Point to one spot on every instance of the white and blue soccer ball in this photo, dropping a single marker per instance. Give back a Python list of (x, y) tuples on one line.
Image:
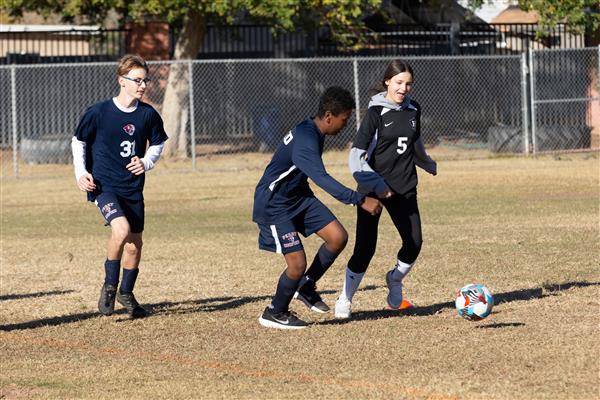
[(474, 302)]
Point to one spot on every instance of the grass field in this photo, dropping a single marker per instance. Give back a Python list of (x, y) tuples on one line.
[(526, 227)]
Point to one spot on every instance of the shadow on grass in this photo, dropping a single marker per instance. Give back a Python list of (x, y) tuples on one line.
[(501, 325), (30, 295), (224, 303), (213, 304), (499, 298)]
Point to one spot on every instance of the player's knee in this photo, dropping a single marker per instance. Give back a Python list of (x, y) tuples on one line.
[(120, 233), (133, 248), (339, 241)]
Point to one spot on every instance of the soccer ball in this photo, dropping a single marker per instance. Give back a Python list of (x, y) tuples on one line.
[(474, 302)]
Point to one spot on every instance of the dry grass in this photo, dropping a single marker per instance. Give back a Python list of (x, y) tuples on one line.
[(526, 227)]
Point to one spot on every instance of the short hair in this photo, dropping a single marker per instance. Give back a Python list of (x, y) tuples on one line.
[(129, 62), (336, 100)]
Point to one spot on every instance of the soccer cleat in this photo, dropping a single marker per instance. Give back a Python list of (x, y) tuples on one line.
[(394, 298), (311, 299), (134, 309), (282, 320), (106, 303), (343, 308), (404, 305)]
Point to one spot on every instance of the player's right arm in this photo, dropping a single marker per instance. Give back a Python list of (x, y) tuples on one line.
[(358, 157), (307, 157), (84, 132)]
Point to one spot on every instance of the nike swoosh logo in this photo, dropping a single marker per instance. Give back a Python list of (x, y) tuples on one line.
[(284, 322), (388, 124)]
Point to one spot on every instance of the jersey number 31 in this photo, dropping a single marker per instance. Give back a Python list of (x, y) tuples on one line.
[(128, 148)]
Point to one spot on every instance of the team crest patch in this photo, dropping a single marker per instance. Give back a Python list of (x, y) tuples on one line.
[(413, 124), (290, 239), (108, 210), (129, 129)]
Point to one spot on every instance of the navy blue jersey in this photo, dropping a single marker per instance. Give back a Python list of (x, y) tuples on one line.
[(112, 138), (283, 190)]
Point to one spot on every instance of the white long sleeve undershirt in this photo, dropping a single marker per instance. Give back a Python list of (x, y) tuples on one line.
[(78, 149)]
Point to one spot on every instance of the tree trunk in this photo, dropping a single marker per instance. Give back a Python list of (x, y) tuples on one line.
[(175, 109)]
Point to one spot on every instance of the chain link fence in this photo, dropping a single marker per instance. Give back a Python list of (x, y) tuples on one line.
[(469, 103), (565, 99)]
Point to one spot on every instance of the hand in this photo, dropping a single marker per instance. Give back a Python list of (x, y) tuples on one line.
[(385, 195), (86, 183), (136, 166), (434, 168), (371, 205)]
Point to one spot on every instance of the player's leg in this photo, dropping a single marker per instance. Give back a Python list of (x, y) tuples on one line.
[(283, 238), (132, 254), (317, 218), (364, 249), (407, 220), (112, 212)]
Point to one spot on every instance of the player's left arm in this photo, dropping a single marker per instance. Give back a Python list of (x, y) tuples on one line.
[(157, 139), (422, 159)]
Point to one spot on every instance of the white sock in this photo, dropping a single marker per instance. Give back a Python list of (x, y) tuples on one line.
[(351, 283), (401, 270)]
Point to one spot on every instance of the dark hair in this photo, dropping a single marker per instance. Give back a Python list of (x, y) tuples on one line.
[(394, 68), (336, 100)]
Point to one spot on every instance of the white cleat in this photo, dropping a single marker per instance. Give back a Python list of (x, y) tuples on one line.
[(343, 308)]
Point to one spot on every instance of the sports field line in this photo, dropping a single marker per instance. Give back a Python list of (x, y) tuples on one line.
[(243, 371)]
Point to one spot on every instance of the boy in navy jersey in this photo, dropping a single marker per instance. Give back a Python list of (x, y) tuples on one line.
[(387, 147), (284, 206), (115, 143)]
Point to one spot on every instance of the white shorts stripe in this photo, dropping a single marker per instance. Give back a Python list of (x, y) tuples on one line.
[(276, 238)]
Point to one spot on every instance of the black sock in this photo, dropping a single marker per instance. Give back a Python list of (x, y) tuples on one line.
[(129, 278), (321, 263), (286, 288), (112, 269)]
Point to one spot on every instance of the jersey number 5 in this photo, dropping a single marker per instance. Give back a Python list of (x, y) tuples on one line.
[(402, 146), (128, 148)]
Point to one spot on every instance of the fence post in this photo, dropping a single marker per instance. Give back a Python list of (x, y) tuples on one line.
[(192, 116), (356, 91), (454, 38), (525, 103), (13, 101), (532, 101)]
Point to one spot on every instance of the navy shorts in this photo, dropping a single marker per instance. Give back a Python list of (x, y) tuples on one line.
[(283, 237), (112, 206)]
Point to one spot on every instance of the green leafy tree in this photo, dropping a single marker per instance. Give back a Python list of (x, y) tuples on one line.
[(579, 15), (343, 17)]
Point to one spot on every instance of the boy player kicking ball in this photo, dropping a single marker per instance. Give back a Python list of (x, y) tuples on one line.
[(284, 205)]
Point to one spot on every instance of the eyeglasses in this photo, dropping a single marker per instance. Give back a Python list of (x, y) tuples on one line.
[(138, 81)]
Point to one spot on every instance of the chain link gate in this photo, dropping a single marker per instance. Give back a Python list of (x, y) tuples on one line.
[(565, 100)]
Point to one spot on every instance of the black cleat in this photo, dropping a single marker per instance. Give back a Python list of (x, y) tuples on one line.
[(282, 320), (134, 309), (307, 293), (106, 303)]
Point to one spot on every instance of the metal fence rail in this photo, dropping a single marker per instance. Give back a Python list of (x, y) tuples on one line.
[(64, 46), (469, 103)]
